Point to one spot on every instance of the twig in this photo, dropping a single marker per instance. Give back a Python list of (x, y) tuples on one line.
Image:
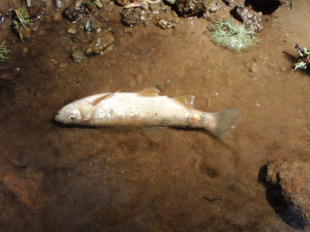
[(28, 3)]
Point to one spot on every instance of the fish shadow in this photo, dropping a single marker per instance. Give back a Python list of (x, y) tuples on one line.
[(61, 125), (289, 56), (154, 133), (227, 143), (276, 200)]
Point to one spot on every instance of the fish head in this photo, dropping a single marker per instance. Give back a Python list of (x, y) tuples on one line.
[(78, 112)]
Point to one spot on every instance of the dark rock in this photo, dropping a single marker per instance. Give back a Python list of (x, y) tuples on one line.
[(266, 6), (289, 185), (190, 7), (71, 13), (251, 19), (36, 8)]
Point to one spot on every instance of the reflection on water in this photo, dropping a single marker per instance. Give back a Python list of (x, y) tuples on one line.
[(118, 179)]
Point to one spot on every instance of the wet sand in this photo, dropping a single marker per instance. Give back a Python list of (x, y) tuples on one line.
[(56, 178)]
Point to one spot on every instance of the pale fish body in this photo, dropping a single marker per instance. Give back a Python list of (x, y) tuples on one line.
[(145, 108)]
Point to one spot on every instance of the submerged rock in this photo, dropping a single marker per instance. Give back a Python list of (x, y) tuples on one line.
[(71, 13), (289, 182), (199, 7), (78, 56), (98, 44), (133, 16), (165, 24), (191, 7), (252, 20), (165, 17)]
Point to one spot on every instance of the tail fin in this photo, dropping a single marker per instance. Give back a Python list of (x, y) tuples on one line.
[(224, 121)]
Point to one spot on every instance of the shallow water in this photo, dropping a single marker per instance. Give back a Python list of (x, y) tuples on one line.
[(120, 179)]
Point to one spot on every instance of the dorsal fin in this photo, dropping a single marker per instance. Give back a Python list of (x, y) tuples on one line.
[(187, 100), (149, 92)]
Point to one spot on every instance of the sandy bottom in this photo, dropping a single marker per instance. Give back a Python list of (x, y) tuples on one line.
[(56, 178)]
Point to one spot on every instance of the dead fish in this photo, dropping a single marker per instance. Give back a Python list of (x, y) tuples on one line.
[(146, 108)]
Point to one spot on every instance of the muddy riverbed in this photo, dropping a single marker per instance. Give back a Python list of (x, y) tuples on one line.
[(57, 178)]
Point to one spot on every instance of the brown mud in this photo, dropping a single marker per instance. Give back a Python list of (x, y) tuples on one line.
[(56, 178)]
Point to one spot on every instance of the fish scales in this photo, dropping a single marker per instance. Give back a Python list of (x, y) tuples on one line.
[(129, 109)]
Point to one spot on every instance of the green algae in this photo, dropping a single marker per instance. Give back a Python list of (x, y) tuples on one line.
[(229, 35), (3, 52)]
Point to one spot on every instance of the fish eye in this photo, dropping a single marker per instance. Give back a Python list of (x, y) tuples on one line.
[(72, 117)]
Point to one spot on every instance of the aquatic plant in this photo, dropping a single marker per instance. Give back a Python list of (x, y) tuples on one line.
[(236, 37), (21, 21), (304, 58), (3, 52), (97, 3)]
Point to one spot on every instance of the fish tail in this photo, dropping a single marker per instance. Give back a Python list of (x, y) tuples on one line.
[(224, 119)]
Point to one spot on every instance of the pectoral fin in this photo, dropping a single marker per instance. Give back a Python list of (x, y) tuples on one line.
[(101, 98), (149, 92), (187, 100)]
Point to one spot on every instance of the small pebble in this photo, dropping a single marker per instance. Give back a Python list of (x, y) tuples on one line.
[(63, 65), (72, 31), (25, 50), (132, 71), (253, 68), (139, 78), (284, 69), (113, 61), (132, 83), (133, 57), (78, 56), (27, 33), (56, 17), (48, 19), (41, 32), (128, 30), (168, 82), (53, 61), (75, 40), (59, 4), (5, 76)]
